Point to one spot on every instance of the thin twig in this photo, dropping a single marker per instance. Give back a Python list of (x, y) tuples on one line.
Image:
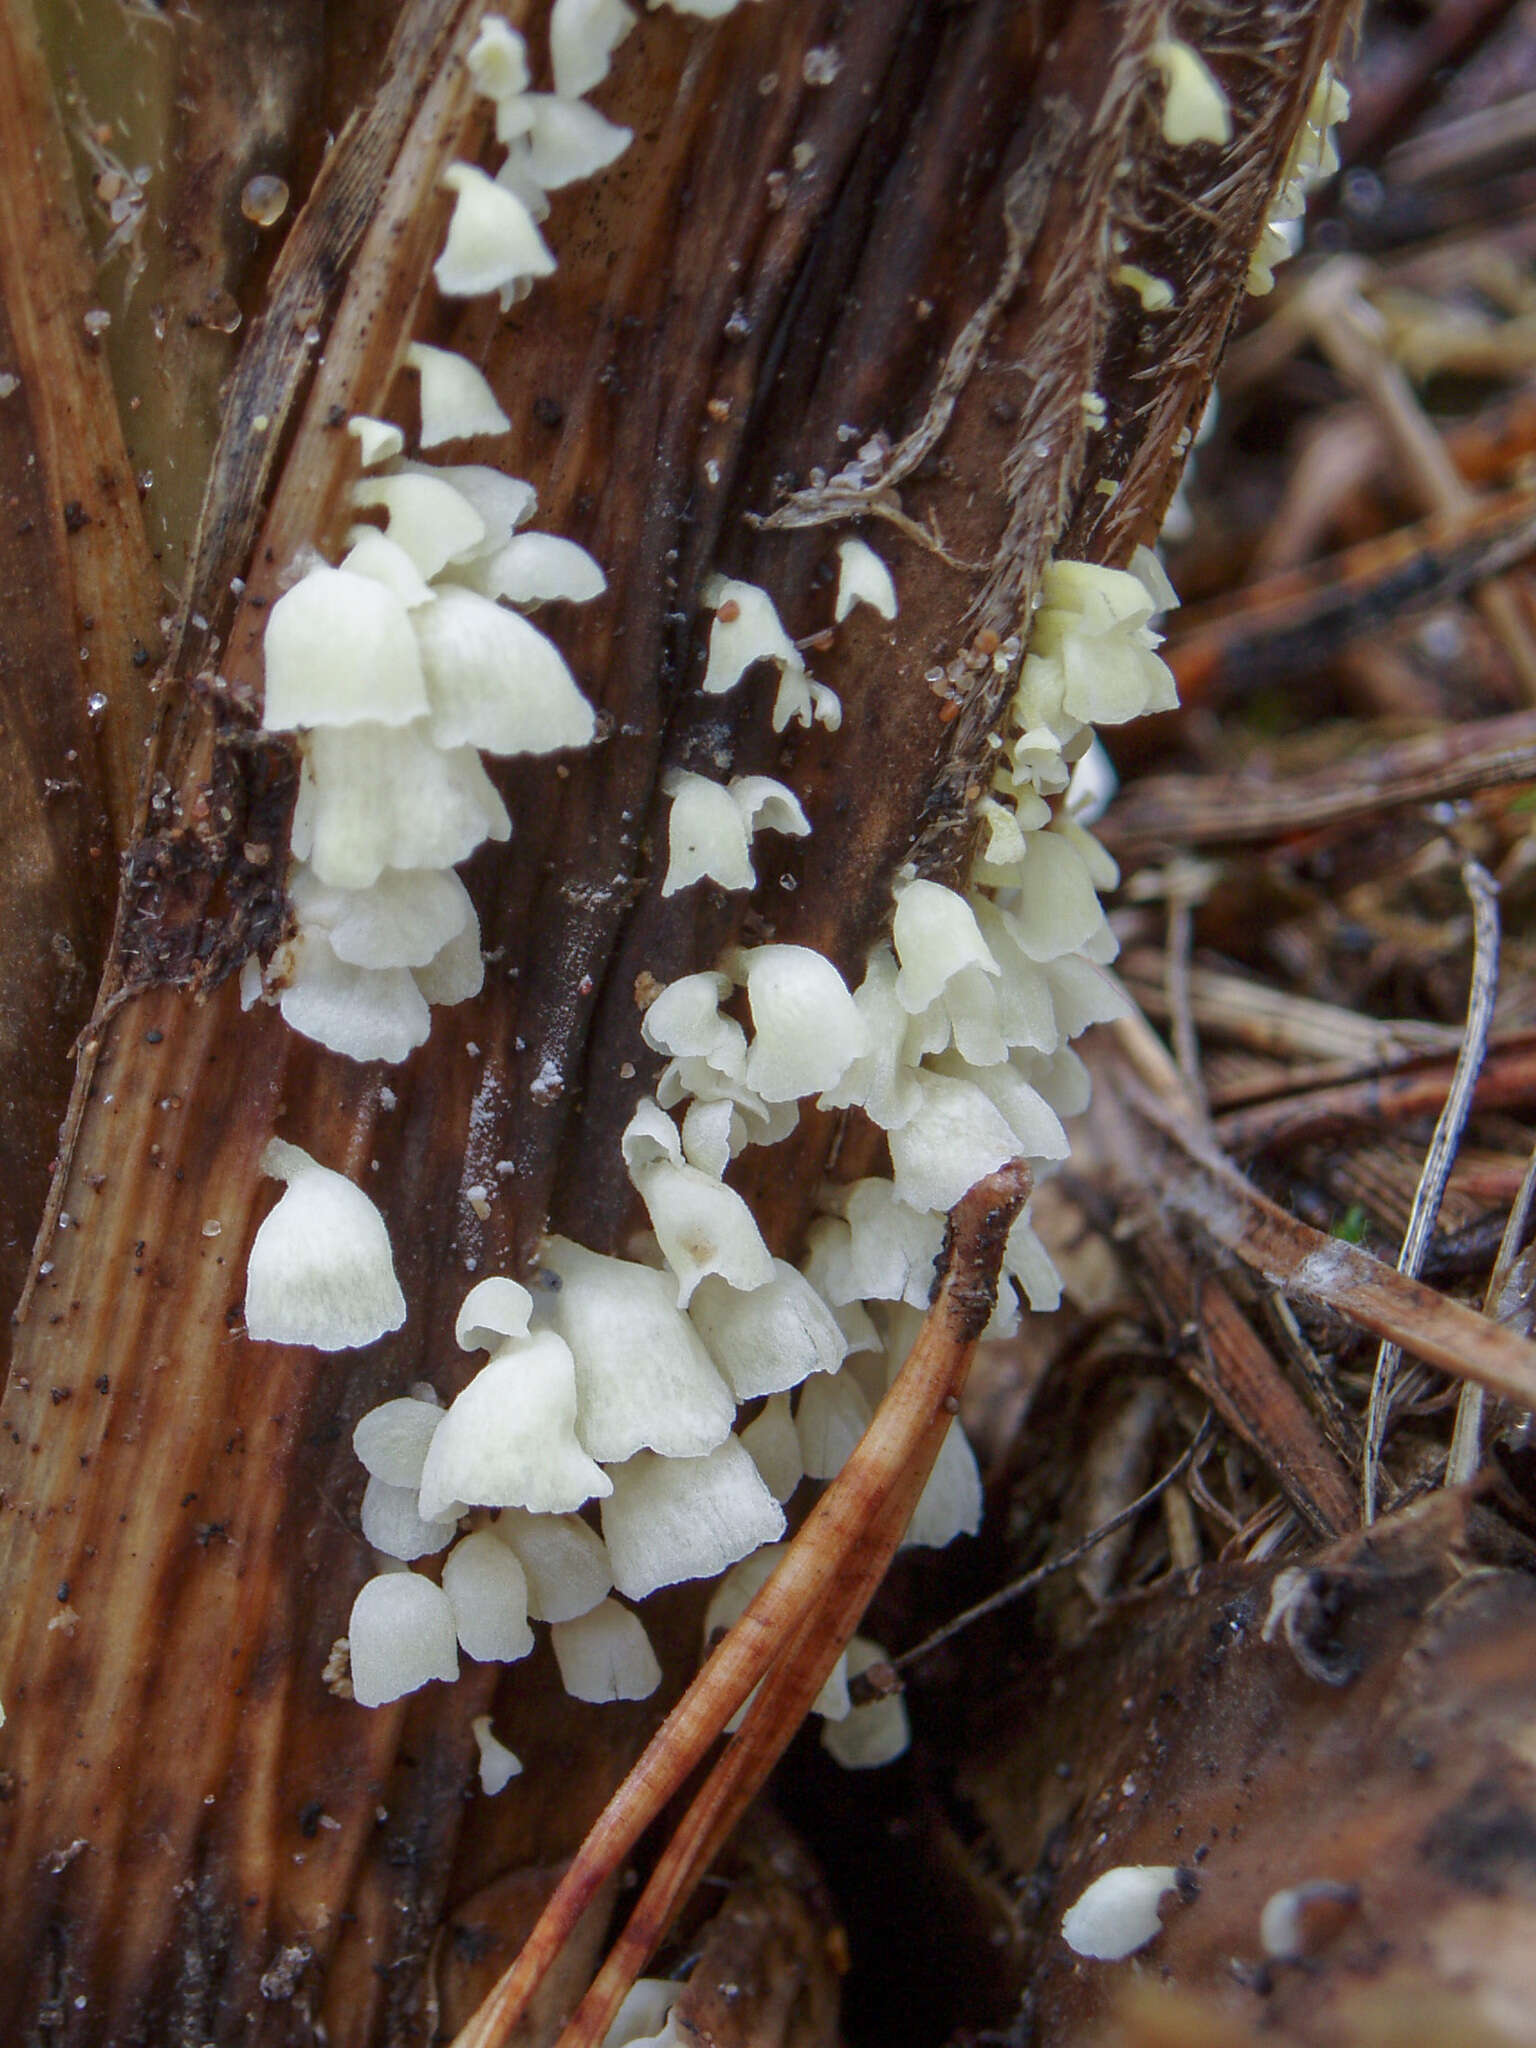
[(1484, 894), (1017, 1588), (1196, 810)]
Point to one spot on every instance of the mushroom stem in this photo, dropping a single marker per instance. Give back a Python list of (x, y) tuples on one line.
[(799, 1624)]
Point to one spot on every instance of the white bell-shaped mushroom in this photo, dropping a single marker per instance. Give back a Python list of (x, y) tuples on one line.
[(374, 555), (950, 1503), (830, 1417), (496, 682), (686, 1019), (564, 140), (377, 440), (492, 240), (605, 1655), (456, 401), (338, 650), (392, 1522), (773, 1444), (489, 1597), (537, 568), (363, 1012), (564, 1561), (380, 798), (643, 1377), (391, 1440), (320, 1270), (874, 1733), (400, 1636), (767, 1339), (862, 578), (509, 1440), (583, 35), (956, 1137), (403, 920), (497, 60), (670, 1519), (493, 1310), (432, 521), (498, 1764), (806, 1027), (746, 629)]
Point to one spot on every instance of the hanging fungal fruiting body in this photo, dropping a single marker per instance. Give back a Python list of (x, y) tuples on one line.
[(320, 1270), (1118, 1913), (642, 1421), (1312, 162)]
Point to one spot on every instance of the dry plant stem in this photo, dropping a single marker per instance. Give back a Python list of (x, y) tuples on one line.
[(1219, 1350), (767, 1729), (1191, 1177), (1286, 1026), (1507, 1081), (1465, 1454), (1454, 761), (838, 1538), (1483, 892), (1349, 332), (1290, 623), (361, 358)]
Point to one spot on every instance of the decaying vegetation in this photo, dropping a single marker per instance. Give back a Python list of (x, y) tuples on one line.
[(1257, 1563)]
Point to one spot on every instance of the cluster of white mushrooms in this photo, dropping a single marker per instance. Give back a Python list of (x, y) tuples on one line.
[(1312, 162), (643, 1421)]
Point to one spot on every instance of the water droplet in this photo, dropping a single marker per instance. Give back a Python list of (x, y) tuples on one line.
[(264, 200), (96, 703), (221, 313)]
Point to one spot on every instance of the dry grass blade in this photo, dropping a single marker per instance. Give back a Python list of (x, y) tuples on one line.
[(813, 1600), (1464, 1456), (1297, 621), (1195, 1181), (1507, 1081), (1449, 1126), (1211, 810)]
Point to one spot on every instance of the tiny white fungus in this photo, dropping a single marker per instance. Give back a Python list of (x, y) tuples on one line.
[(320, 1271), (401, 1635), (509, 1438), (538, 568), (492, 240), (807, 1030), (393, 1524), (497, 60), (862, 578), (564, 139), (433, 521), (496, 682), (377, 440), (456, 401), (391, 1440), (383, 797), (605, 1655), (669, 1519), (498, 1765), (1117, 1914), (489, 1596), (339, 651), (1195, 108), (563, 1559), (874, 1733), (643, 1377), (767, 1339), (583, 34), (491, 1312)]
